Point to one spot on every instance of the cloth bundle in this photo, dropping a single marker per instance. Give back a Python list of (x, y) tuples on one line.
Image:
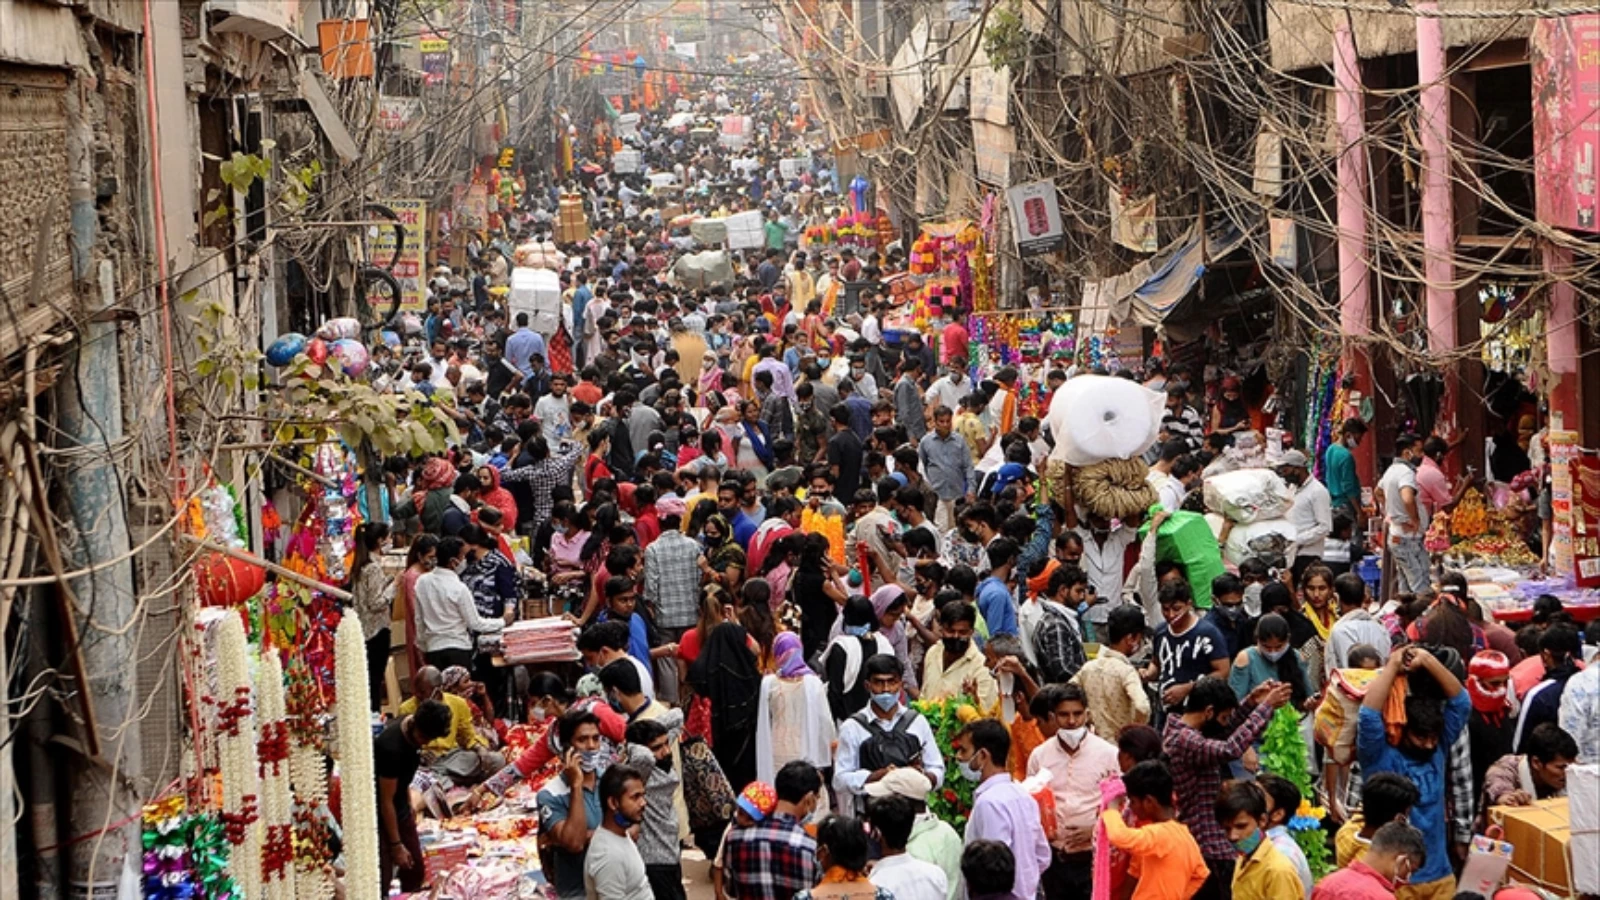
[(1267, 538), (1248, 495)]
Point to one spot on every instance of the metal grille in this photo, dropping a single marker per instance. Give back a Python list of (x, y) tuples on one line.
[(157, 688), (33, 178)]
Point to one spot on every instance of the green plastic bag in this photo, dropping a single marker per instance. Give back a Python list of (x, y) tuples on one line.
[(1186, 538)]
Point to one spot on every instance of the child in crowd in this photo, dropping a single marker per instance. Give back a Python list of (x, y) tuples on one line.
[(1262, 872), (1385, 797), (1164, 857)]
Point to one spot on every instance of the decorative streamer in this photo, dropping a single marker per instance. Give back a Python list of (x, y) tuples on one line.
[(241, 782), (354, 720), (277, 800), (308, 770), (1284, 753)]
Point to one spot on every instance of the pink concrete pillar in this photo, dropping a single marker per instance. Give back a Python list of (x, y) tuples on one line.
[(1438, 209), (1355, 281), (1562, 342)]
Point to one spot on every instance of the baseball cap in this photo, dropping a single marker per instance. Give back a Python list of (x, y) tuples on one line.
[(758, 800), (1296, 459), (908, 783)]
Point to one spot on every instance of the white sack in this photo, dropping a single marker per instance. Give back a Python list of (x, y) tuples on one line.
[(1264, 538), (1583, 787), (1248, 495), (746, 231), (704, 269), (1096, 417)]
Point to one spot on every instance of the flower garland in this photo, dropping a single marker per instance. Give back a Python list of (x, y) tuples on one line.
[(237, 751), (277, 800), (362, 872), (952, 802), (308, 771), (1283, 753)]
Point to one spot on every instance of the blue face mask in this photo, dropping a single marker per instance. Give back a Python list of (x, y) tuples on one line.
[(1249, 844), (1272, 655), (886, 701), (857, 630), (622, 821)]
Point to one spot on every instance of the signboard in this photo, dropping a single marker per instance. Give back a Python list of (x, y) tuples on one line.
[(413, 214), (398, 113), (1585, 522), (992, 148), (472, 209), (1565, 61), (1563, 449), (435, 58), (1035, 217)]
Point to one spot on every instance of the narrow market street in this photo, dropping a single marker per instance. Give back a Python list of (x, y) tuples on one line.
[(799, 450)]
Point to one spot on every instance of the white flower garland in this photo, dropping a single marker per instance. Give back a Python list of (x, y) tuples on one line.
[(308, 770), (277, 800), (237, 750), (362, 869)]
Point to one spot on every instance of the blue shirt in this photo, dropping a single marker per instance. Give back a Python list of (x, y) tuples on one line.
[(994, 601), (555, 804), (860, 415), (580, 299), (521, 346), (638, 639), (744, 528), (1372, 748)]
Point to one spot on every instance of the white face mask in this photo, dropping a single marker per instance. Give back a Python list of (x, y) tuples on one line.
[(1071, 738)]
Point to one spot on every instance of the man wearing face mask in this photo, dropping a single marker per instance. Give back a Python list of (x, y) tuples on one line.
[(1001, 810), (447, 615), (957, 666), (1402, 512), (1428, 733), (564, 825), (1078, 760), (652, 750), (1311, 514), (885, 736), (613, 868), (1397, 851)]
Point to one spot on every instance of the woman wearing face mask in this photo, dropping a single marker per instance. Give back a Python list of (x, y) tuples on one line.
[(373, 591), (889, 606), (568, 579), (723, 564), (1271, 659), (841, 661), (793, 721), (420, 559)]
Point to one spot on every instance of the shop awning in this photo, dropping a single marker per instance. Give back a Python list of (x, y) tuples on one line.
[(1150, 291)]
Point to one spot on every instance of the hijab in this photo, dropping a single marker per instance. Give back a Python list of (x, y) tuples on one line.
[(727, 674), (710, 379), (498, 497), (790, 655)]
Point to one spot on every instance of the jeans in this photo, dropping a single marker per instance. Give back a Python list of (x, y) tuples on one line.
[(1070, 876), (377, 665), (1411, 564)]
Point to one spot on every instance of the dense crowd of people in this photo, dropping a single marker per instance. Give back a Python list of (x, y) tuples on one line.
[(777, 530)]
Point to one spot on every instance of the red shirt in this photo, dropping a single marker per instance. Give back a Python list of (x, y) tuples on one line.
[(646, 527), (953, 343), (1357, 881), (588, 392)]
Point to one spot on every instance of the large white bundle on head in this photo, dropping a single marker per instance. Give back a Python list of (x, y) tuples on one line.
[(1263, 537), (1095, 418), (1248, 495)]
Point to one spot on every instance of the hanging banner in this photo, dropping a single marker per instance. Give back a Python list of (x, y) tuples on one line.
[(398, 113), (1035, 218), (1133, 222), (472, 210), (1563, 449), (413, 214), (1585, 520), (435, 58), (1281, 243), (1565, 60)]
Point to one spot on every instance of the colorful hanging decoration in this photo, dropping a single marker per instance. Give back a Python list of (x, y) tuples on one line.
[(277, 798), (222, 580), (185, 854), (1283, 753), (306, 708)]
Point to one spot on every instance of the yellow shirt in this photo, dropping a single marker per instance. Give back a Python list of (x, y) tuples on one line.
[(1266, 875), (462, 735), (971, 429), (1348, 845), (939, 683)]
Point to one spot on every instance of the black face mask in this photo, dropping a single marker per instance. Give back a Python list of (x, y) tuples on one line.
[(1215, 730), (1416, 753), (1231, 613), (665, 763), (969, 535), (956, 646)]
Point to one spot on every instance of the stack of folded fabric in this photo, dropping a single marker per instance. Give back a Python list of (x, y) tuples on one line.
[(552, 639)]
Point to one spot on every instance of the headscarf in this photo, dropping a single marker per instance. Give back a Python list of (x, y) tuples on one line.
[(454, 677), (1040, 583), (790, 655), (756, 434), (437, 474), (727, 674), (1492, 705), (726, 551), (710, 379), (498, 497)]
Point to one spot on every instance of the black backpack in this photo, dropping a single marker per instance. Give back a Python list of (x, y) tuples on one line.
[(895, 747)]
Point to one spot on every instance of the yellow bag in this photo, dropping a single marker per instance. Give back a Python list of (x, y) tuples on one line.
[(1334, 725)]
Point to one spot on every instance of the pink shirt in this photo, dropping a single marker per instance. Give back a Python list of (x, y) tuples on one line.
[(1075, 780), (1357, 881), (1433, 487)]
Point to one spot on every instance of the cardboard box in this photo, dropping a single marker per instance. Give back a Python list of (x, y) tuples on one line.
[(1538, 835)]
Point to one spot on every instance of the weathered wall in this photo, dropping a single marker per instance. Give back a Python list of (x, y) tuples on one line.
[(1301, 36)]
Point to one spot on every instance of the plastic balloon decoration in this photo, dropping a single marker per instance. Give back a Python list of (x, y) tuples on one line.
[(340, 328), (317, 351), (352, 356), (282, 351), (223, 580), (858, 193)]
